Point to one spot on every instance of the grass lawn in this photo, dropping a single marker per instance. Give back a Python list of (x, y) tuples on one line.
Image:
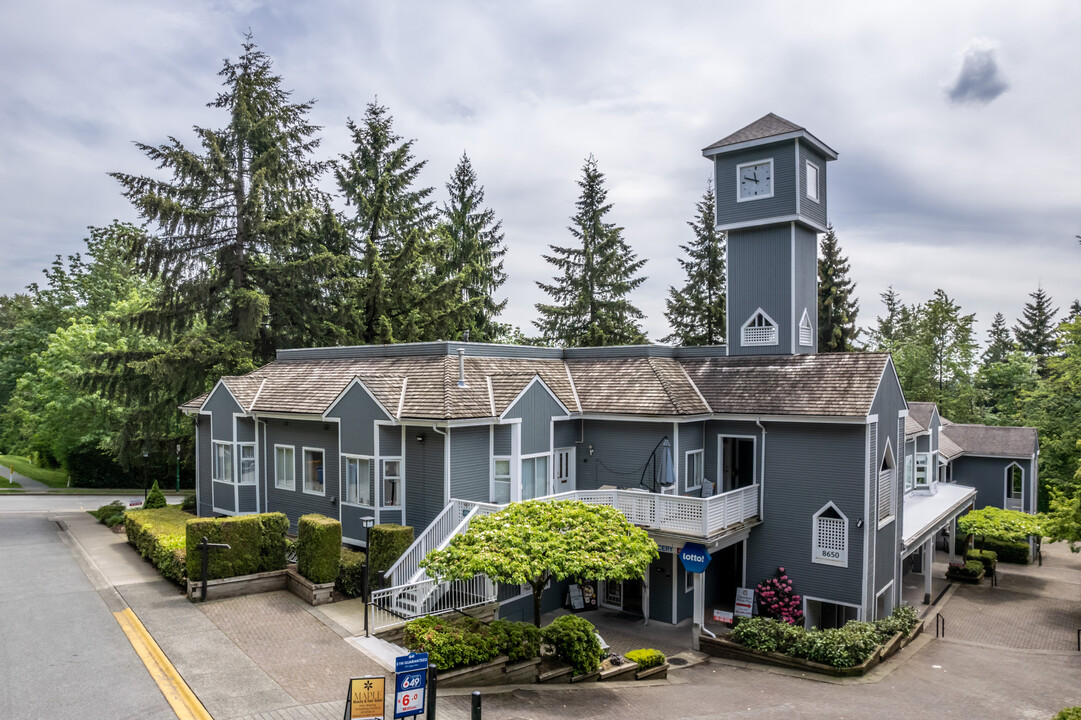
[(52, 478), (7, 485)]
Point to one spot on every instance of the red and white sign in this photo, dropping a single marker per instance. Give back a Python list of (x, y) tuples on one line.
[(744, 602), (723, 617)]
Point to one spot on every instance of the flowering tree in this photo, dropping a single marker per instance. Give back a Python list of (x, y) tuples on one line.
[(533, 541), (776, 599)]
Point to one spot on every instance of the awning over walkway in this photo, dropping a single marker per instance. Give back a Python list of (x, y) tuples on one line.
[(927, 514)]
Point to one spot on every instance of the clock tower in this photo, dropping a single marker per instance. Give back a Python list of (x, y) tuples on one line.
[(770, 180)]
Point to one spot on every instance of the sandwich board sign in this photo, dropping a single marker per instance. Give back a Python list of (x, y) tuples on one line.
[(410, 684), (744, 602), (365, 700)]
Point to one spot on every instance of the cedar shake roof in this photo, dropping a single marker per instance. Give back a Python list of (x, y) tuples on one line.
[(635, 386), (948, 449), (831, 384), (1013, 442), (764, 127), (919, 417)]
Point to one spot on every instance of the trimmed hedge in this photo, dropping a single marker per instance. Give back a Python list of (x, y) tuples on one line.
[(575, 642), (350, 582), (190, 505), (257, 544), (319, 543), (1008, 552), (387, 542), (1070, 713), (646, 658), (989, 558), (158, 534), (461, 641)]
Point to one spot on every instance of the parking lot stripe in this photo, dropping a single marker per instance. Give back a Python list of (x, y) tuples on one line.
[(179, 696)]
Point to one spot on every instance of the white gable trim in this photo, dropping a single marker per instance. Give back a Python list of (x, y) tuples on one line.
[(356, 381), (536, 379), (214, 390)]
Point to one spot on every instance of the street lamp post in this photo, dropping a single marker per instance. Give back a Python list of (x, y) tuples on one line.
[(145, 456), (178, 467), (367, 523)]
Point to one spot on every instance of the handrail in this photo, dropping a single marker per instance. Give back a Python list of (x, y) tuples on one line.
[(409, 561)]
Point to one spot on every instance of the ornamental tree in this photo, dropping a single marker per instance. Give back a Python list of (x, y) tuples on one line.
[(1007, 525), (776, 599), (534, 541)]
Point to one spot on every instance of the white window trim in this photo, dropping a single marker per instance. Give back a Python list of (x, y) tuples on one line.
[(304, 471), (817, 184), (927, 470), (892, 514), (240, 460), (1008, 485), (688, 581), (383, 479), (701, 453), (350, 456), (841, 561), (776, 340), (772, 181), (547, 475), (719, 483), (805, 325), (508, 478), (214, 462), (293, 482)]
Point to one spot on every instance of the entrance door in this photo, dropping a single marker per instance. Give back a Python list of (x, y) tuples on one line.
[(632, 597), (613, 594), (563, 470)]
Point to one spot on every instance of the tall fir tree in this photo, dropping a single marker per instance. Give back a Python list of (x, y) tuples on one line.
[(590, 294), (696, 312), (1035, 331), (1075, 310), (889, 328), (999, 341), (475, 249), (400, 297), (837, 305)]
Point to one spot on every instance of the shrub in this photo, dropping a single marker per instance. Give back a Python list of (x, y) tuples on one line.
[(767, 634), (155, 498), (158, 534), (969, 569), (840, 647), (1070, 713), (190, 504), (350, 582), (319, 541), (988, 558), (113, 512), (646, 658), (901, 620), (257, 544), (462, 640), (575, 642), (387, 542), (1007, 552), (114, 520), (777, 600)]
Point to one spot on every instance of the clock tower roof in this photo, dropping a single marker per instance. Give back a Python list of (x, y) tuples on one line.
[(767, 129)]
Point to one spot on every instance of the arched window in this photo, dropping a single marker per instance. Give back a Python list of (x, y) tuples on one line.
[(760, 329), (1015, 486), (830, 537), (885, 484)]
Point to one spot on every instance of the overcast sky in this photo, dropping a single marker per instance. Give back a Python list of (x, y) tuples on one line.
[(956, 122)]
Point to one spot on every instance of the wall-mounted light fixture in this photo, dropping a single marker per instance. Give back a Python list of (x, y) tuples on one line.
[(590, 449), (420, 438), (859, 523)]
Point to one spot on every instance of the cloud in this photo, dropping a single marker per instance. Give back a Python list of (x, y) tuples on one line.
[(980, 80)]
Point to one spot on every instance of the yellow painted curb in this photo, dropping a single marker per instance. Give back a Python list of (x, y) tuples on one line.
[(172, 686)]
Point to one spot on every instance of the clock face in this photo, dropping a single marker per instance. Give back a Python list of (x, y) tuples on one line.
[(756, 180)]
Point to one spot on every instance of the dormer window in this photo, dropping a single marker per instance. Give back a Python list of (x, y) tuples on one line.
[(760, 329), (806, 332)]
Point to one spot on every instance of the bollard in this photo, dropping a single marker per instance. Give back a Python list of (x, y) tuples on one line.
[(431, 691), (475, 704)]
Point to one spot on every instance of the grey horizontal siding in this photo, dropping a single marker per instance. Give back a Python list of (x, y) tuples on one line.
[(419, 349), (566, 433), (713, 449), (245, 430), (814, 211), (224, 497), (247, 493), (501, 439), (760, 268), (988, 476), (300, 434), (390, 441), (887, 405), (661, 572), (783, 201), (424, 478), (536, 409), (621, 451), (807, 466), (352, 528), (469, 463), (805, 287), (357, 412), (221, 406), (204, 467), (691, 437)]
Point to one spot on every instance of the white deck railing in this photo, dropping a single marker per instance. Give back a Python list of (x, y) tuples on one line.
[(396, 605), (452, 520)]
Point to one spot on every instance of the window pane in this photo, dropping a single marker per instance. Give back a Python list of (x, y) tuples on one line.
[(247, 464), (502, 468), (364, 482), (392, 493), (527, 479), (352, 480), (284, 468), (540, 477), (313, 471)]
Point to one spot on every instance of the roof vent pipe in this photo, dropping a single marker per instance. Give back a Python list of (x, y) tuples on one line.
[(461, 367)]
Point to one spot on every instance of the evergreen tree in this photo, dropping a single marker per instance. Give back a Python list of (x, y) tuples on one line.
[(240, 199), (950, 336), (696, 312), (999, 342), (889, 330), (401, 295), (1075, 310), (837, 307), (590, 305), (1035, 332), (475, 249)]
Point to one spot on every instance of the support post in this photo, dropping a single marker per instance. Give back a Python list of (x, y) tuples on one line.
[(474, 705), (430, 700), (699, 611), (928, 561), (953, 539)]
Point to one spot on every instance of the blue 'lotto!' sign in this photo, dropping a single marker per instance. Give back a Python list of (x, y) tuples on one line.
[(694, 557)]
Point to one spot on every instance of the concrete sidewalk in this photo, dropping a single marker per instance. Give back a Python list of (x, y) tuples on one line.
[(261, 656)]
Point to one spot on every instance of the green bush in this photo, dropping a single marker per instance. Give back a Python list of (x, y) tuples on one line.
[(1007, 552), (158, 534), (1070, 713), (155, 498), (114, 520), (901, 620), (257, 544), (840, 647), (988, 558), (767, 634), (646, 658), (387, 542), (114, 512), (190, 504), (461, 641), (575, 642), (970, 569), (319, 543), (350, 582)]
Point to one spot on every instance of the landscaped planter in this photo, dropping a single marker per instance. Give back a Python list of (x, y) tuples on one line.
[(306, 590), (587, 677), (559, 674), (610, 672), (239, 585), (660, 672), (489, 673), (521, 673), (970, 579)]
